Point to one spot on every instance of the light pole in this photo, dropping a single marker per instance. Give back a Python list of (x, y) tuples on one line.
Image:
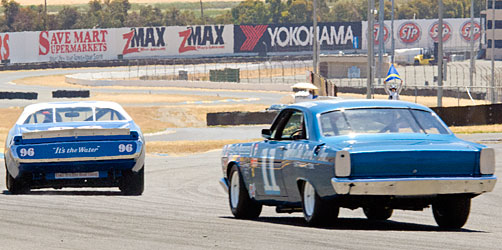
[(493, 99), (440, 55), (45, 14), (381, 31), (392, 31), (314, 45), (370, 36)]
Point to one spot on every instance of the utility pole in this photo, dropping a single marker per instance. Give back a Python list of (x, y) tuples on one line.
[(315, 47), (381, 31), (472, 29), (392, 31), (440, 55), (493, 99), (370, 36), (202, 13), (45, 15)]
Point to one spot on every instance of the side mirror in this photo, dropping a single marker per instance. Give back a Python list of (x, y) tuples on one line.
[(266, 133)]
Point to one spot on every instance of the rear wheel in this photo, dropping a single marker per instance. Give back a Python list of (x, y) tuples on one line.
[(378, 212), (16, 186), (242, 206), (132, 183), (317, 211), (451, 211)]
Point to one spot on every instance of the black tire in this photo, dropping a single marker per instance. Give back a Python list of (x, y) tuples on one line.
[(416, 62), (242, 206), (451, 211), (132, 183), (378, 212), (316, 211), (16, 186)]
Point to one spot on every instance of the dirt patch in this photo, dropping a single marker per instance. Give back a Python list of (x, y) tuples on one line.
[(179, 148), (155, 119), (495, 128)]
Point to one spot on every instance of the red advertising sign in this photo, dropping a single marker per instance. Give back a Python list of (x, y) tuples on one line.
[(465, 31), (207, 37), (144, 39), (71, 42), (434, 31), (376, 30), (4, 47), (409, 32)]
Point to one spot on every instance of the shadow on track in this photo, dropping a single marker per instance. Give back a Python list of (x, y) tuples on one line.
[(70, 193), (361, 224)]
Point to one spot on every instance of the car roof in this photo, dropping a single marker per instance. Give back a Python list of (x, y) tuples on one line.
[(328, 105), (32, 108)]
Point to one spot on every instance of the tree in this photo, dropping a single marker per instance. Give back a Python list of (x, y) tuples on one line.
[(299, 11), (276, 10), (67, 18), (251, 12), (11, 9)]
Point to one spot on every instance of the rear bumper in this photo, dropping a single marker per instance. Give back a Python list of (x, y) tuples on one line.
[(414, 186)]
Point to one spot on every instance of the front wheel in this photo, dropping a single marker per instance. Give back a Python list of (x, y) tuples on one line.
[(451, 211), (242, 206), (317, 211), (133, 183), (378, 212)]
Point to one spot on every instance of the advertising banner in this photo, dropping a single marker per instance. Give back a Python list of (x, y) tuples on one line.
[(423, 33), (75, 45), (176, 41), (296, 37)]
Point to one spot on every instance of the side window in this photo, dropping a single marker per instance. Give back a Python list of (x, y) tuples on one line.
[(107, 114), (41, 116), (294, 129)]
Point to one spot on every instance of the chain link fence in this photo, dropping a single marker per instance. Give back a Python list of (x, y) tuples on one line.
[(420, 81)]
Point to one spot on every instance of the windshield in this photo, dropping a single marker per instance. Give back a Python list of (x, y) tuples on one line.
[(380, 120), (74, 114)]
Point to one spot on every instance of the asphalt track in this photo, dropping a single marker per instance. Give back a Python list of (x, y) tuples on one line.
[(183, 207)]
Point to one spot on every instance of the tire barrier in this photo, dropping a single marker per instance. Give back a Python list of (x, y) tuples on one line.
[(240, 118), (71, 94), (452, 116), (19, 95)]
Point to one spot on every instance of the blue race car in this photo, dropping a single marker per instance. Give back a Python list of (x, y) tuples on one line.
[(75, 144), (370, 154)]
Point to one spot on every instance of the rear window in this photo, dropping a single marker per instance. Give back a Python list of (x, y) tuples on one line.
[(380, 120), (74, 114)]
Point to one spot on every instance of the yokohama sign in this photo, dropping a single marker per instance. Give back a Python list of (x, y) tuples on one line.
[(296, 37)]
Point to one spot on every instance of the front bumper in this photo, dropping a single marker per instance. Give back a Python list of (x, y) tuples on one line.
[(414, 186), (224, 184)]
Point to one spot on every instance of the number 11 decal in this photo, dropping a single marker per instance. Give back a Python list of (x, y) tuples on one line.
[(267, 168)]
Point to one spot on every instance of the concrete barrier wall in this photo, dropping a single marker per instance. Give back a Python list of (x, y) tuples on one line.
[(452, 116), (180, 84)]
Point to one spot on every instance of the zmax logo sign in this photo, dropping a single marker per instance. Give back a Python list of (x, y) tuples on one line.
[(144, 39), (202, 38)]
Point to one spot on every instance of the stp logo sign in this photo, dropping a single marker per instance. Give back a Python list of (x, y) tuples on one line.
[(465, 31), (409, 32), (376, 31), (4, 47), (434, 31)]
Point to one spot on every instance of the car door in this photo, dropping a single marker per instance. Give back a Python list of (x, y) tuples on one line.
[(270, 153)]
